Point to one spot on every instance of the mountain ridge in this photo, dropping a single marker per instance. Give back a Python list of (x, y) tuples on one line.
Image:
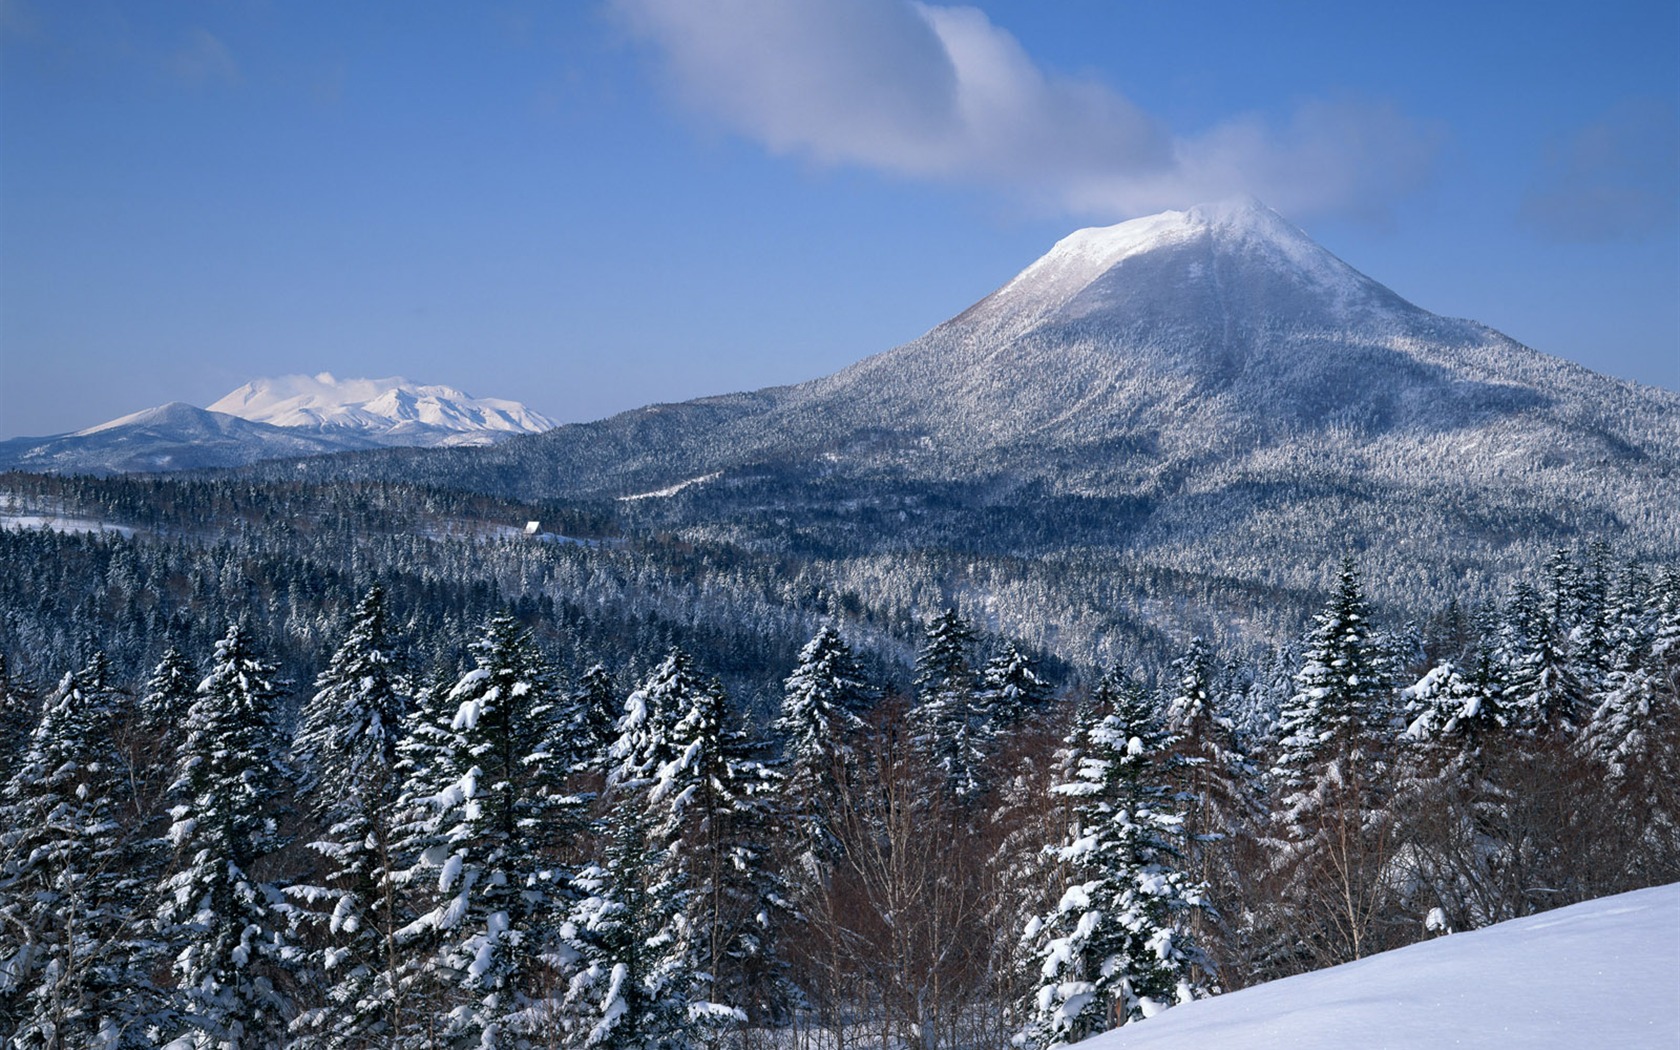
[(391, 410), (278, 418)]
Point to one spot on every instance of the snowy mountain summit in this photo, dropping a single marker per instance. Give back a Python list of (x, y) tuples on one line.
[(1174, 258), (390, 411)]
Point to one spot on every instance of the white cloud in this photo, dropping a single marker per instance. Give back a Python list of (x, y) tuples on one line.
[(941, 93)]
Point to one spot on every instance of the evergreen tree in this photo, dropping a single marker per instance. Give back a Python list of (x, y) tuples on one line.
[(951, 729), (165, 707), (1113, 949), (1329, 780), (1635, 730), (822, 705), (18, 712), (644, 741), (1446, 709), (68, 900), (228, 922), (348, 742), (1212, 787), (628, 987), (498, 818), (595, 707), (1010, 690), (1547, 691)]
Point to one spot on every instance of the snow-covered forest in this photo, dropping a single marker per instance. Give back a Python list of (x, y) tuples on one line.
[(524, 846)]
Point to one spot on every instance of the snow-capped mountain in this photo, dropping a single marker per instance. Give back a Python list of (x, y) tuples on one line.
[(278, 419), (389, 411), (1205, 392), (169, 437)]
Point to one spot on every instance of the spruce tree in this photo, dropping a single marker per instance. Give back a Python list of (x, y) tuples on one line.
[(1328, 780), (628, 987), (1634, 733), (1212, 783), (951, 729), (1010, 690), (498, 817), (68, 899), (823, 701), (347, 746), (644, 741), (228, 923), (595, 710), (1113, 949)]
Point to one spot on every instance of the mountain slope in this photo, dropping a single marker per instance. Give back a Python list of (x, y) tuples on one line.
[(1205, 394), (169, 437), (1599, 973)]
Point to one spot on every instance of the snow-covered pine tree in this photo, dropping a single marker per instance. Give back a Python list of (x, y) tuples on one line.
[(823, 701), (1546, 691), (18, 712), (1113, 949), (165, 705), (69, 902), (425, 758), (228, 924), (1011, 690), (1213, 785), (347, 748), (1635, 731), (1328, 780), (1447, 797), (709, 809), (644, 740), (706, 800), (950, 727), (595, 708), (1455, 713), (628, 989), (498, 818)]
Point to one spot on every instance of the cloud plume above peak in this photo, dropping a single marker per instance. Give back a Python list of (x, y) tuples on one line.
[(942, 94)]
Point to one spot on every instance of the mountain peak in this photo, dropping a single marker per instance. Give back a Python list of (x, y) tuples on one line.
[(1230, 252), (394, 408)]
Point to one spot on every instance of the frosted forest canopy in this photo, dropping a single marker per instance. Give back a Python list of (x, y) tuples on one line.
[(348, 766)]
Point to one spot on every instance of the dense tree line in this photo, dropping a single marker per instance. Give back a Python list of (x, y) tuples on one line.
[(524, 847)]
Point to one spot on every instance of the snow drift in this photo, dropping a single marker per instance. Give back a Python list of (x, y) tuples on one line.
[(1598, 974)]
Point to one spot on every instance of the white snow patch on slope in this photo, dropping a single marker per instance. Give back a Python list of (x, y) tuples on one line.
[(1598, 974), (673, 490)]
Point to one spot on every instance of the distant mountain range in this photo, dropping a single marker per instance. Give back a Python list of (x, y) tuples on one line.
[(1194, 414), (278, 418)]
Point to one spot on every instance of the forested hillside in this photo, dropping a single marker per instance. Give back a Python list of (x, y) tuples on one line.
[(475, 815)]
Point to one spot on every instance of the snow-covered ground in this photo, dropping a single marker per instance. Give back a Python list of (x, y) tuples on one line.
[(58, 523), (1601, 974)]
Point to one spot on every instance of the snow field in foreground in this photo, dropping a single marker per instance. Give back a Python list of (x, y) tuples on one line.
[(1604, 973)]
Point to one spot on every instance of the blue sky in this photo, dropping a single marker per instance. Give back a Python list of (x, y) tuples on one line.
[(590, 207)]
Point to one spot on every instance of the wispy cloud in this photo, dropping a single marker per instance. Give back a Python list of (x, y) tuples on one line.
[(204, 59), (941, 93), (1616, 178)]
